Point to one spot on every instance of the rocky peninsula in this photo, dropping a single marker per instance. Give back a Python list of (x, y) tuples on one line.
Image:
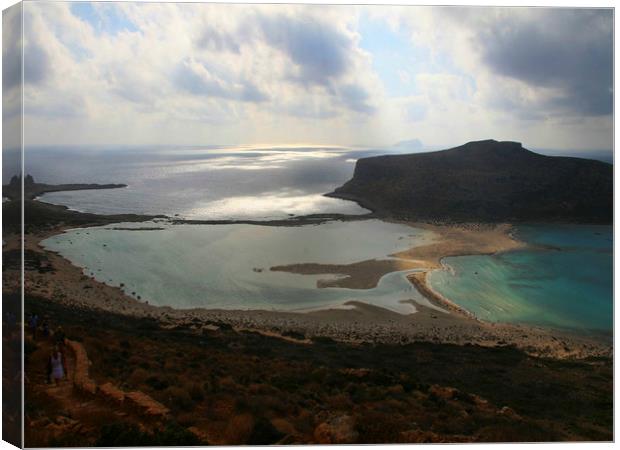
[(483, 181)]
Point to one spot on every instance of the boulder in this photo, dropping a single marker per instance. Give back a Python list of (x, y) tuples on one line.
[(336, 430)]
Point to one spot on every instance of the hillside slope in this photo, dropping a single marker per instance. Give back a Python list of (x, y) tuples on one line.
[(483, 181)]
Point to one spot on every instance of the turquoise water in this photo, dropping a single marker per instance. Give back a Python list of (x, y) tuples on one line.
[(564, 279), (227, 266), (566, 282)]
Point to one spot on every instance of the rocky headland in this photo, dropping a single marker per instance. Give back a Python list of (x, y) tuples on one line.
[(483, 181)]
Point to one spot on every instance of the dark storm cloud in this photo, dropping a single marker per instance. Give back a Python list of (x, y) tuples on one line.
[(569, 49), (321, 52)]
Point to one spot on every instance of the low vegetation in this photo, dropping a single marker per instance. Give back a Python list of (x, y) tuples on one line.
[(227, 387)]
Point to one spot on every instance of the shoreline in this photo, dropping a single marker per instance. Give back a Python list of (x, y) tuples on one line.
[(420, 282), (358, 323)]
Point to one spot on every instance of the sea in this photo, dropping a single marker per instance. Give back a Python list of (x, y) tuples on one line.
[(563, 279), (200, 182)]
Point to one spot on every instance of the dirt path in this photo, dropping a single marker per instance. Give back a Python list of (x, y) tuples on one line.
[(77, 415)]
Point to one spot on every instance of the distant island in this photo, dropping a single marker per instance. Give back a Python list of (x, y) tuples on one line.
[(486, 181)]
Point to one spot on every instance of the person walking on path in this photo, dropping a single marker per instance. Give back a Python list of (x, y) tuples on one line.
[(57, 366)]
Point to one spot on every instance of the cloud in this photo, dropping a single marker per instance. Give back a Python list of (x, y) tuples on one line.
[(324, 58), (36, 64), (127, 63), (11, 81), (198, 79), (248, 73), (11, 48), (570, 50), (417, 111), (544, 62), (356, 98), (60, 108), (36, 61), (319, 51), (215, 40)]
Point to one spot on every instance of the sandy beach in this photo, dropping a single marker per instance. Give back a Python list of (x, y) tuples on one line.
[(57, 280), (449, 240)]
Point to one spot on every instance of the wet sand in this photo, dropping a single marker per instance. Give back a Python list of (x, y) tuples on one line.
[(67, 285), (359, 275), (449, 240)]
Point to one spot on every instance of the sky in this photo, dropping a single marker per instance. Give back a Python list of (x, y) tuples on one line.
[(216, 74)]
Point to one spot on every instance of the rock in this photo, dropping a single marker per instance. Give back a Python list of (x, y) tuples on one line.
[(111, 392), (509, 412), (89, 387), (200, 434), (284, 426), (396, 389), (444, 392), (336, 430), (146, 404)]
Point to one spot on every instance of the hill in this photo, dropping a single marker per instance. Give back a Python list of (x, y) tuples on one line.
[(487, 181)]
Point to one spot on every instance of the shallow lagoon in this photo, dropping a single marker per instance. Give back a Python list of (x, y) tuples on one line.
[(227, 266), (567, 281), (564, 281)]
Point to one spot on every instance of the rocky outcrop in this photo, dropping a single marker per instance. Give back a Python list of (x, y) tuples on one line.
[(483, 181)]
